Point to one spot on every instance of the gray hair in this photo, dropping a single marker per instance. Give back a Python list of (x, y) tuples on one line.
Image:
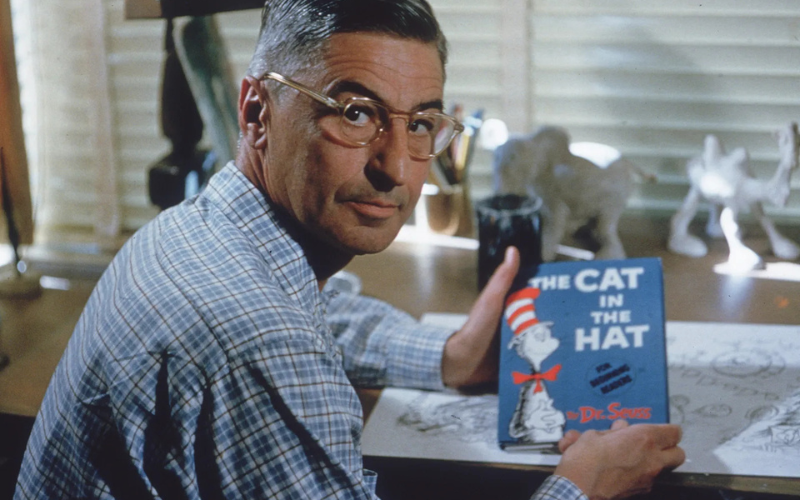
[(294, 33)]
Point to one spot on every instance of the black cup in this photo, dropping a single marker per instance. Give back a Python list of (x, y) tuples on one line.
[(503, 221)]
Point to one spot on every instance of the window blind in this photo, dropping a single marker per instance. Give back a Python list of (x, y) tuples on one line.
[(650, 78)]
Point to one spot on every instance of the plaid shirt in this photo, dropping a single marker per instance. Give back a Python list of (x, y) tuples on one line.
[(205, 366), (558, 488)]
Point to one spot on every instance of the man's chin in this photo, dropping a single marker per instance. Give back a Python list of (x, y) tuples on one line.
[(364, 240)]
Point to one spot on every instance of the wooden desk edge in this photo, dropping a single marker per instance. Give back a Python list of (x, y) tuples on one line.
[(742, 484)]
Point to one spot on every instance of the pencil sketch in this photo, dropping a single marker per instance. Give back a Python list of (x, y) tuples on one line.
[(467, 418), (776, 432), (440, 426), (677, 403), (734, 389), (714, 411), (735, 393), (749, 363)]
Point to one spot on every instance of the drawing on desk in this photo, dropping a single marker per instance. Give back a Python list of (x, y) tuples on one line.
[(677, 403), (714, 411), (439, 425), (761, 413), (734, 391), (736, 420), (465, 418), (778, 434), (749, 363)]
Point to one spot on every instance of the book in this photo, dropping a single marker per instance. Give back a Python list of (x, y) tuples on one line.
[(582, 344)]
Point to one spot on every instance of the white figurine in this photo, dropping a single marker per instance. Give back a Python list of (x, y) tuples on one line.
[(725, 181), (575, 192)]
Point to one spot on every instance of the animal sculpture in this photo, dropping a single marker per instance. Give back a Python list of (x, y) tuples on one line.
[(725, 181), (575, 192)]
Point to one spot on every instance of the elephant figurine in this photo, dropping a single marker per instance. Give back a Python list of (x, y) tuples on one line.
[(575, 192)]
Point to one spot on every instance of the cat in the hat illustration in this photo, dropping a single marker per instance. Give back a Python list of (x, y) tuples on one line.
[(535, 419)]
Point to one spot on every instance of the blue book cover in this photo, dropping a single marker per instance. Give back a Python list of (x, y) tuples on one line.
[(582, 344)]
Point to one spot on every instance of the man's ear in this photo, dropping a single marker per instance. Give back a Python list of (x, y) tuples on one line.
[(254, 107)]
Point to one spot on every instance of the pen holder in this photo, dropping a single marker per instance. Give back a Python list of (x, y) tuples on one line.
[(449, 211), (503, 221)]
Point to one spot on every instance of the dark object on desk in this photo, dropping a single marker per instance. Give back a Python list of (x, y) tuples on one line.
[(4, 359), (504, 221), (20, 285), (186, 168), (14, 432), (178, 176), (8, 210), (204, 59)]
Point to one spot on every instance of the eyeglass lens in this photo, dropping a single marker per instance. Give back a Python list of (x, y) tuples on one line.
[(428, 133)]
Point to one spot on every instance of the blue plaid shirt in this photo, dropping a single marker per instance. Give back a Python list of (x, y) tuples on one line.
[(207, 364), (558, 488)]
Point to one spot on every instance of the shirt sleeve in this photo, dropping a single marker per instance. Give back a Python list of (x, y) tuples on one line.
[(558, 488), (294, 430), (383, 346)]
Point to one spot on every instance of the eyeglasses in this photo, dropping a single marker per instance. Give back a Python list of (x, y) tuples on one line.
[(362, 120)]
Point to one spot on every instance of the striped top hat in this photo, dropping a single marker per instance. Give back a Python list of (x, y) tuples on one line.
[(520, 312)]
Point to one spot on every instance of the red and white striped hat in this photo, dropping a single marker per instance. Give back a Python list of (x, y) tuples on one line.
[(520, 312)]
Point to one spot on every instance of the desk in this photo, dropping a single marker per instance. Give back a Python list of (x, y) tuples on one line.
[(34, 334), (420, 278)]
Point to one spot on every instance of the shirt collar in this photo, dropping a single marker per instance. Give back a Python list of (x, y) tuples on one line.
[(269, 230)]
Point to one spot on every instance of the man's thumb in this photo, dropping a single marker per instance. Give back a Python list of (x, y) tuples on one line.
[(503, 276)]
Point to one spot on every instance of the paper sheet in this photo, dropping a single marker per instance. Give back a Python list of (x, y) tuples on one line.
[(445, 426), (734, 389)]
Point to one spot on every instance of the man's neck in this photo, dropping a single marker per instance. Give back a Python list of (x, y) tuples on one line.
[(325, 259)]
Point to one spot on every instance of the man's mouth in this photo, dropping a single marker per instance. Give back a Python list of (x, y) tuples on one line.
[(374, 209)]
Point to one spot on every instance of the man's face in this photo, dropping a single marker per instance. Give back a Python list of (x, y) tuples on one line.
[(353, 198)]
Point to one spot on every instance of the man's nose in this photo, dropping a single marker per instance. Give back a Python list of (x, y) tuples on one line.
[(392, 157)]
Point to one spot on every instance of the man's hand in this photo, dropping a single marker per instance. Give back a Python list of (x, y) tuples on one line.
[(471, 354), (619, 462)]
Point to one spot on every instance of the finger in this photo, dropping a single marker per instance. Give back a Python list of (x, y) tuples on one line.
[(619, 424), (471, 355), (486, 311), (504, 275), (673, 457), (568, 440), (668, 435)]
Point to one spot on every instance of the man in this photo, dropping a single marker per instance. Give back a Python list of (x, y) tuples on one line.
[(209, 364)]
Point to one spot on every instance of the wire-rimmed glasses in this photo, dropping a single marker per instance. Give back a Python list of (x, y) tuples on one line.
[(362, 120)]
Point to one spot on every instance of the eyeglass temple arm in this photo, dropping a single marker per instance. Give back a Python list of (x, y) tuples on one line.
[(302, 88)]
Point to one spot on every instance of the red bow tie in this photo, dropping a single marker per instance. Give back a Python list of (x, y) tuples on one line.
[(550, 375)]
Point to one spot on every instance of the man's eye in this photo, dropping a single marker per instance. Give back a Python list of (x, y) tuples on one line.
[(422, 125), (358, 115)]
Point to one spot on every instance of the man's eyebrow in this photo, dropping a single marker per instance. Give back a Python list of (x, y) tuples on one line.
[(356, 88)]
